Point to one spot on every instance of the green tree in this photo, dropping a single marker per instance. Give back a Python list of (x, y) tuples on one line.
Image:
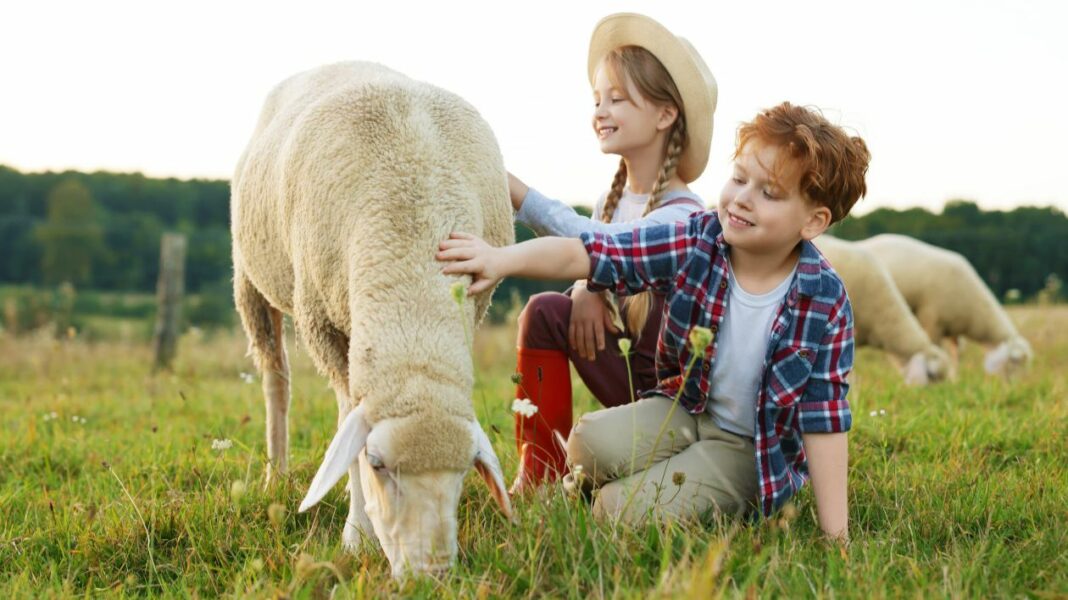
[(70, 237)]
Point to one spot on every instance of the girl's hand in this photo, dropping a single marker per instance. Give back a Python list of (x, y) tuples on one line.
[(466, 253), (517, 191), (589, 318)]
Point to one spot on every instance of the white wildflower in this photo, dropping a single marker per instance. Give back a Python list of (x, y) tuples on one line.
[(882, 412), (221, 444), (247, 377), (523, 406), (874, 413)]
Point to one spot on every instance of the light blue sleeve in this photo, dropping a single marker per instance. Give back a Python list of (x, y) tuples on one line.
[(551, 217)]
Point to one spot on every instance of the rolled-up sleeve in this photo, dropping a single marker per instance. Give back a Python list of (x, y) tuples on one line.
[(823, 407), (642, 259)]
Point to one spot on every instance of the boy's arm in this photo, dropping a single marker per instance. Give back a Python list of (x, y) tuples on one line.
[(825, 418), (828, 457), (541, 258), (645, 257)]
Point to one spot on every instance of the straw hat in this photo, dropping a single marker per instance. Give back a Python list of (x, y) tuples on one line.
[(683, 63)]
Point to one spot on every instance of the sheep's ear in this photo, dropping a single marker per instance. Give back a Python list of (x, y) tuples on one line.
[(916, 370), (350, 438), (489, 467)]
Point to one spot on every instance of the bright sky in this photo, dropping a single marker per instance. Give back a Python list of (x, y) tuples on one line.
[(956, 99)]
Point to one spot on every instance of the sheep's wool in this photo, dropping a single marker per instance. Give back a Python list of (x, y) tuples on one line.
[(354, 175)]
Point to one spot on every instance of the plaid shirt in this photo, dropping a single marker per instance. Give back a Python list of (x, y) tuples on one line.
[(810, 351)]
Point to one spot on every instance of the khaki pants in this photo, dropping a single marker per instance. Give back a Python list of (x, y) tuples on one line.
[(696, 471)]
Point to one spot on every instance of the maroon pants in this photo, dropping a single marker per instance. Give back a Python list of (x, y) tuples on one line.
[(543, 325)]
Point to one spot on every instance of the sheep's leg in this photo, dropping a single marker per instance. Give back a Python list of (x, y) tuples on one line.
[(358, 527), (266, 333)]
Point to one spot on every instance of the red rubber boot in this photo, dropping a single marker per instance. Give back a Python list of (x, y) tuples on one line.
[(546, 382)]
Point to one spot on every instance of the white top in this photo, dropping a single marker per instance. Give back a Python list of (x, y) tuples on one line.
[(741, 347), (630, 207)]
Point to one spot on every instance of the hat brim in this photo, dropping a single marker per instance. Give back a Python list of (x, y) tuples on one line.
[(686, 67)]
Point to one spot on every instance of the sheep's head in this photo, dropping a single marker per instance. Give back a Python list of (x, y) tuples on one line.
[(412, 470), (930, 365), (1008, 358)]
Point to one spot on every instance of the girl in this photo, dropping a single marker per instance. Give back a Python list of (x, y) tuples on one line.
[(653, 103)]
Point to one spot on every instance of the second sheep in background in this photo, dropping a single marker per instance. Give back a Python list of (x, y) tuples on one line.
[(950, 300)]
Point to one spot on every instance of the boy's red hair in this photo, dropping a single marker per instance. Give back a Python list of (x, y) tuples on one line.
[(829, 164)]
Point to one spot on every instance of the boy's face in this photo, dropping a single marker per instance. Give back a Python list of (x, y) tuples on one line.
[(763, 213)]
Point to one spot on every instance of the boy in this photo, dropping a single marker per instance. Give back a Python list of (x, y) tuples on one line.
[(765, 403)]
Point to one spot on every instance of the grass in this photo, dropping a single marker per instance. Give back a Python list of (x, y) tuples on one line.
[(958, 490)]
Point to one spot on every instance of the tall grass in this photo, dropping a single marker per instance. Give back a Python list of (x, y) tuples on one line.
[(956, 490)]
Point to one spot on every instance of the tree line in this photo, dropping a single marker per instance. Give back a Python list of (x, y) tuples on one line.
[(102, 231)]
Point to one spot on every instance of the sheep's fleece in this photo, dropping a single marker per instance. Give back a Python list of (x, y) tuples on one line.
[(353, 176)]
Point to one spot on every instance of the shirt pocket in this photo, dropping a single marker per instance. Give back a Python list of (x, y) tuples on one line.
[(790, 370)]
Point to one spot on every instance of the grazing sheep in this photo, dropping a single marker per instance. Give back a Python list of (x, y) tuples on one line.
[(950, 300), (881, 317), (352, 177)]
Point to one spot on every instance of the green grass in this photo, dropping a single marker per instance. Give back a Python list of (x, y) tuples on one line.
[(959, 490)]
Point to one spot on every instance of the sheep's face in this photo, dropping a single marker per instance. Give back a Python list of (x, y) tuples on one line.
[(411, 474), (928, 366), (1008, 358), (413, 514)]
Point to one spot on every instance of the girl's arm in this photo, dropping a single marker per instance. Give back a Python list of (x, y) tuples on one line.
[(546, 216), (541, 258), (828, 456)]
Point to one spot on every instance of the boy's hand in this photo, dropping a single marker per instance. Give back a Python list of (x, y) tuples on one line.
[(466, 253)]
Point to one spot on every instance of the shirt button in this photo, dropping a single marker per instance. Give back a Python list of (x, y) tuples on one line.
[(713, 329), (803, 353), (723, 284)]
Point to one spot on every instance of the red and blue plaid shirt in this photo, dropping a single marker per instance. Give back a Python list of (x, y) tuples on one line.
[(810, 351)]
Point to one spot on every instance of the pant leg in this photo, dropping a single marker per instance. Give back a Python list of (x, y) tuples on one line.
[(716, 475), (543, 324), (614, 442)]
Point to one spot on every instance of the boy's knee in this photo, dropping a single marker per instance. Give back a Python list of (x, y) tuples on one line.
[(593, 448)]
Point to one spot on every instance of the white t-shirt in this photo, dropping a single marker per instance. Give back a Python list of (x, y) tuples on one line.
[(630, 206), (741, 346)]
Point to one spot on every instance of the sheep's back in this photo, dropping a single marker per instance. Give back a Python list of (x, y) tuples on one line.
[(939, 282), (363, 172)]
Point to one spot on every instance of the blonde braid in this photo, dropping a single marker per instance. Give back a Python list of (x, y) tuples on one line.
[(670, 166), (638, 305), (614, 194)]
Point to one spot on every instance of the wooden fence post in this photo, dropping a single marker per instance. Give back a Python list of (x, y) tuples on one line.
[(169, 292)]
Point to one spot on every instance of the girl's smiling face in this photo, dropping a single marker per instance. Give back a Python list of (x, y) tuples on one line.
[(626, 123), (761, 206)]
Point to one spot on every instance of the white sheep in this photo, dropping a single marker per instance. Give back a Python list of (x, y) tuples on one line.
[(352, 177), (950, 300), (880, 314)]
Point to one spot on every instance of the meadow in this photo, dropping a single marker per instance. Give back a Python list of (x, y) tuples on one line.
[(118, 482)]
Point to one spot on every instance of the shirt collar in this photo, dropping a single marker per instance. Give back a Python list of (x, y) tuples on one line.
[(809, 271)]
